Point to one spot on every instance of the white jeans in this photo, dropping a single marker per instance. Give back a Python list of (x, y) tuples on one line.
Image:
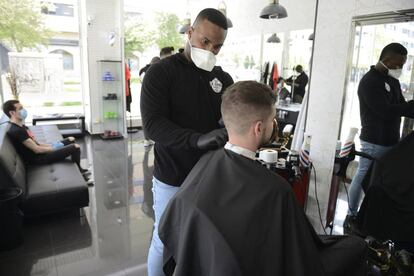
[(162, 194)]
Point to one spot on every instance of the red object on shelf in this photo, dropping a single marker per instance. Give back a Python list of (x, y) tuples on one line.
[(300, 186)]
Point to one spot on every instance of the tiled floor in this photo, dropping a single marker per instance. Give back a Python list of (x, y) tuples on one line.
[(113, 236)]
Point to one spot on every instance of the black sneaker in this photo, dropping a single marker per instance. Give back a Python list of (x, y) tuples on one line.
[(348, 222), (82, 170), (90, 183), (351, 226), (87, 173)]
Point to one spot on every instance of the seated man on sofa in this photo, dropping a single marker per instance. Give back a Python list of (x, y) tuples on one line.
[(233, 216), (33, 152)]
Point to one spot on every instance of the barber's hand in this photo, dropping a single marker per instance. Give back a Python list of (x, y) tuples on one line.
[(57, 145), (213, 140)]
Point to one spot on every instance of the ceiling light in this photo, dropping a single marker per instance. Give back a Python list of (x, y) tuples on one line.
[(312, 36), (223, 8), (273, 11), (273, 39), (186, 25)]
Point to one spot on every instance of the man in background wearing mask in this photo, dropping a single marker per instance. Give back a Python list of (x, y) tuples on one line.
[(298, 84), (180, 107), (33, 152), (233, 216), (381, 107)]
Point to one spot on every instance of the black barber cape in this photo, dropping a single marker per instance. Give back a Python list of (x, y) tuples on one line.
[(232, 216), (387, 211)]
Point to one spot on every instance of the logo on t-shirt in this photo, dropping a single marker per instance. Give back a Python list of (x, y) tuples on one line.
[(216, 85), (30, 133), (387, 87)]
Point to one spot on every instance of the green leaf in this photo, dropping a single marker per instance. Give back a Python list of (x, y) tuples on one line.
[(21, 24)]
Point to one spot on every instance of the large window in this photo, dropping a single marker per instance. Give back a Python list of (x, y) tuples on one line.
[(67, 59), (50, 76), (57, 9)]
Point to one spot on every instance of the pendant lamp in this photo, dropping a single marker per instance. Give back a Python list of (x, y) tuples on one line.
[(312, 36), (186, 25), (223, 8), (273, 11), (273, 39)]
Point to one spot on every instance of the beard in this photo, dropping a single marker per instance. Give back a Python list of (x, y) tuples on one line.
[(270, 135)]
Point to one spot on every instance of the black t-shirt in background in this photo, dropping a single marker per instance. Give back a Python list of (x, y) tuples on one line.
[(302, 80), (381, 107), (19, 134)]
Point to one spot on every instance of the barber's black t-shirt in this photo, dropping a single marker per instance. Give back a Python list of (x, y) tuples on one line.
[(381, 107), (19, 134), (179, 103)]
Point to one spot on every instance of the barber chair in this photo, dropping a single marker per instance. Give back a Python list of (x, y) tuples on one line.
[(386, 214), (343, 172)]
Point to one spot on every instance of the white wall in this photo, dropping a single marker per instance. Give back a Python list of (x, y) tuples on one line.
[(98, 19), (333, 37)]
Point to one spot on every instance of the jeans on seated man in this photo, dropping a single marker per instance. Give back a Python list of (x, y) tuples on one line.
[(233, 216), (32, 151)]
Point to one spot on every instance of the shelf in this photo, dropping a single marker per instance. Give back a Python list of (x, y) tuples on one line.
[(108, 60), (110, 137), (110, 83), (113, 118)]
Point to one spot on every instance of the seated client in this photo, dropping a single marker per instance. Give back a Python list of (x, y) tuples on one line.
[(33, 152), (232, 216)]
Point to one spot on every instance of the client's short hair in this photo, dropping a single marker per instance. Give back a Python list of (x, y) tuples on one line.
[(245, 102), (9, 106)]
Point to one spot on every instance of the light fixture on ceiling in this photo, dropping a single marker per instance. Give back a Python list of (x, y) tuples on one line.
[(273, 11), (312, 36), (223, 8), (273, 39), (186, 24)]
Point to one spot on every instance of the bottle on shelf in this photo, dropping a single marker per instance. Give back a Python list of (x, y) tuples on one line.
[(349, 142), (305, 150), (110, 115), (108, 76)]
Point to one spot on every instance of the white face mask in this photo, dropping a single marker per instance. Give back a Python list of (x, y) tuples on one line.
[(395, 73), (203, 59)]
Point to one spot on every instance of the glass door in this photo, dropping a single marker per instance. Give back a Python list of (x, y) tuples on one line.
[(369, 40)]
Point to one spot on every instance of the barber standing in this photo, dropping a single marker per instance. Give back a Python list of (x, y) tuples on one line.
[(298, 84), (180, 107), (381, 107)]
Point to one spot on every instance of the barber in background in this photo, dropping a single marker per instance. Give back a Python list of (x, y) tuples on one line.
[(381, 107), (180, 107), (166, 52), (298, 84)]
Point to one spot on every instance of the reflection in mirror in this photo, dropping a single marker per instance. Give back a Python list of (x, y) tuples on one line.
[(369, 40)]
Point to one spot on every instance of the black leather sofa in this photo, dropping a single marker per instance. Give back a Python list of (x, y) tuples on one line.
[(46, 188)]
